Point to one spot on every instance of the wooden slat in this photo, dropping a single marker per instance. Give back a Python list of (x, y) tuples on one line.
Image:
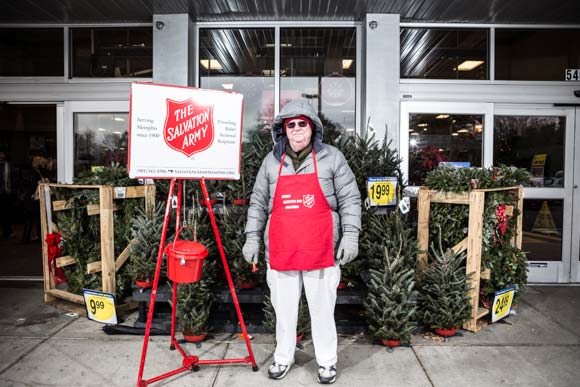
[(95, 267), (519, 235), (107, 239), (473, 264), (150, 199), (133, 192), (449, 197), (424, 207), (497, 189), (486, 274), (48, 281), (481, 312), (65, 261), (81, 310), (95, 209), (59, 205), (460, 247), (77, 299), (81, 186)]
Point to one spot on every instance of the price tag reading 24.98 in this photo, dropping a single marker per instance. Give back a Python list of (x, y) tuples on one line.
[(100, 306), (502, 303), (382, 191)]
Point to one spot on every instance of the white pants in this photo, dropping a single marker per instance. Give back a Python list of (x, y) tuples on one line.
[(285, 292)]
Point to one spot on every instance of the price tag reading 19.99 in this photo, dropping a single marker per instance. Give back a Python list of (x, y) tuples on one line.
[(100, 306), (382, 191)]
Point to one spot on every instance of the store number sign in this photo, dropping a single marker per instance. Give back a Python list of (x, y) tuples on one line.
[(382, 191), (502, 303), (100, 306), (572, 75)]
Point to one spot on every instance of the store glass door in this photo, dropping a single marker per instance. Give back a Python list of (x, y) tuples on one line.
[(541, 140), (96, 136)]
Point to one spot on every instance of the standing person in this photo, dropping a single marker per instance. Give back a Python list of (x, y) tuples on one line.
[(307, 205), (5, 195)]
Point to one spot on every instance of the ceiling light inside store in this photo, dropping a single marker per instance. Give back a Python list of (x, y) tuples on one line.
[(469, 65), (119, 133), (102, 130), (455, 134), (463, 131), (442, 116), (211, 64), (346, 63), (413, 142), (268, 73), (411, 130), (414, 134), (119, 119), (228, 86), (478, 128), (422, 125)]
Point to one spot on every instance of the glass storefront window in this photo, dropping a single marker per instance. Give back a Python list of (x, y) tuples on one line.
[(100, 139), (241, 60), (442, 137), (112, 52), (535, 143), (536, 55), (31, 52), (319, 64), (542, 229), (441, 53)]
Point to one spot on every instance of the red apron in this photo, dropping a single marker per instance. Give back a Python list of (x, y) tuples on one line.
[(301, 228)]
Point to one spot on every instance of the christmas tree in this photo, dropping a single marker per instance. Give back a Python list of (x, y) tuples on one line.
[(390, 303), (443, 291)]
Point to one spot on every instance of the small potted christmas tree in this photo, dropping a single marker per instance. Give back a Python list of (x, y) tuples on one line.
[(443, 292), (390, 303), (194, 302), (146, 233)]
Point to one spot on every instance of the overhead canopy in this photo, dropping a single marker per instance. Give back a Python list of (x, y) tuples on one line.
[(455, 11)]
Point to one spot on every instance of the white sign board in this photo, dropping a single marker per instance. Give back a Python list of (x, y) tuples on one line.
[(182, 132)]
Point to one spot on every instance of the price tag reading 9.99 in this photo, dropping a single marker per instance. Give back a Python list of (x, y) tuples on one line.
[(381, 192), (100, 306)]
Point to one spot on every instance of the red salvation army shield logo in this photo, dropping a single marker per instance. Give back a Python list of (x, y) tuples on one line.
[(188, 126), (308, 200)]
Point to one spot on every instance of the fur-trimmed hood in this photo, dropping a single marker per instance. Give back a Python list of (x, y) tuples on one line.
[(295, 108)]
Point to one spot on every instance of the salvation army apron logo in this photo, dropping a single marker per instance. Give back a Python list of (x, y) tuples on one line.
[(188, 126), (308, 200)]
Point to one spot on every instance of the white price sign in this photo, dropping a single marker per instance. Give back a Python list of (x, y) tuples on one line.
[(100, 306), (572, 75), (186, 133)]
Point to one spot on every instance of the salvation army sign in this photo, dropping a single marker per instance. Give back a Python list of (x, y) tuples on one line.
[(186, 133)]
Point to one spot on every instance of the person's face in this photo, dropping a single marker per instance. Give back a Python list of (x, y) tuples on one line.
[(299, 133)]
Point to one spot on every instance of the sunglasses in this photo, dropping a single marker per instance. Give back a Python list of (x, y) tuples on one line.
[(291, 125)]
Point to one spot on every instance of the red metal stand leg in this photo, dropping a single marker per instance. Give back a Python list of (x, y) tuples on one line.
[(155, 284), (174, 292), (228, 275)]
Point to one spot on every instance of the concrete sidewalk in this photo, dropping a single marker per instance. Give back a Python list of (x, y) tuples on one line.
[(43, 346)]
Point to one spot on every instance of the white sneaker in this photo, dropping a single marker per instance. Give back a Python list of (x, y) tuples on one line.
[(277, 371), (327, 375)]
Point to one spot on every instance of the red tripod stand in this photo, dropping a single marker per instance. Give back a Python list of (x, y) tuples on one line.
[(190, 362)]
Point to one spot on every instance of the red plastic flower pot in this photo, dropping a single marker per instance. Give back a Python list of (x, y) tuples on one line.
[(240, 202), (143, 284), (446, 332), (342, 285), (185, 261), (391, 343), (213, 202), (194, 338)]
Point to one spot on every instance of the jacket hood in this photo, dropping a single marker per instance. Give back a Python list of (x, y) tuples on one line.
[(295, 108)]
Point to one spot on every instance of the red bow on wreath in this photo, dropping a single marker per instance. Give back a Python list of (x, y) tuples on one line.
[(502, 223), (54, 251)]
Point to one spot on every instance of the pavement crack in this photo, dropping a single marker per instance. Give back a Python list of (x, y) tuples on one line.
[(214, 381), (422, 367)]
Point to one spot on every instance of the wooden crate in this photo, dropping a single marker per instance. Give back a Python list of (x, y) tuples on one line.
[(109, 264), (473, 243)]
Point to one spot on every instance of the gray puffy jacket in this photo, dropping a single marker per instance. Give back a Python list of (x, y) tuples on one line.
[(336, 178)]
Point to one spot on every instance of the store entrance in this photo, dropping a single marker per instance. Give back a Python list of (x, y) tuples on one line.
[(27, 156)]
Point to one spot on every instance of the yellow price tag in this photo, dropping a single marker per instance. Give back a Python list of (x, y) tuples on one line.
[(381, 191), (502, 303), (100, 306)]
